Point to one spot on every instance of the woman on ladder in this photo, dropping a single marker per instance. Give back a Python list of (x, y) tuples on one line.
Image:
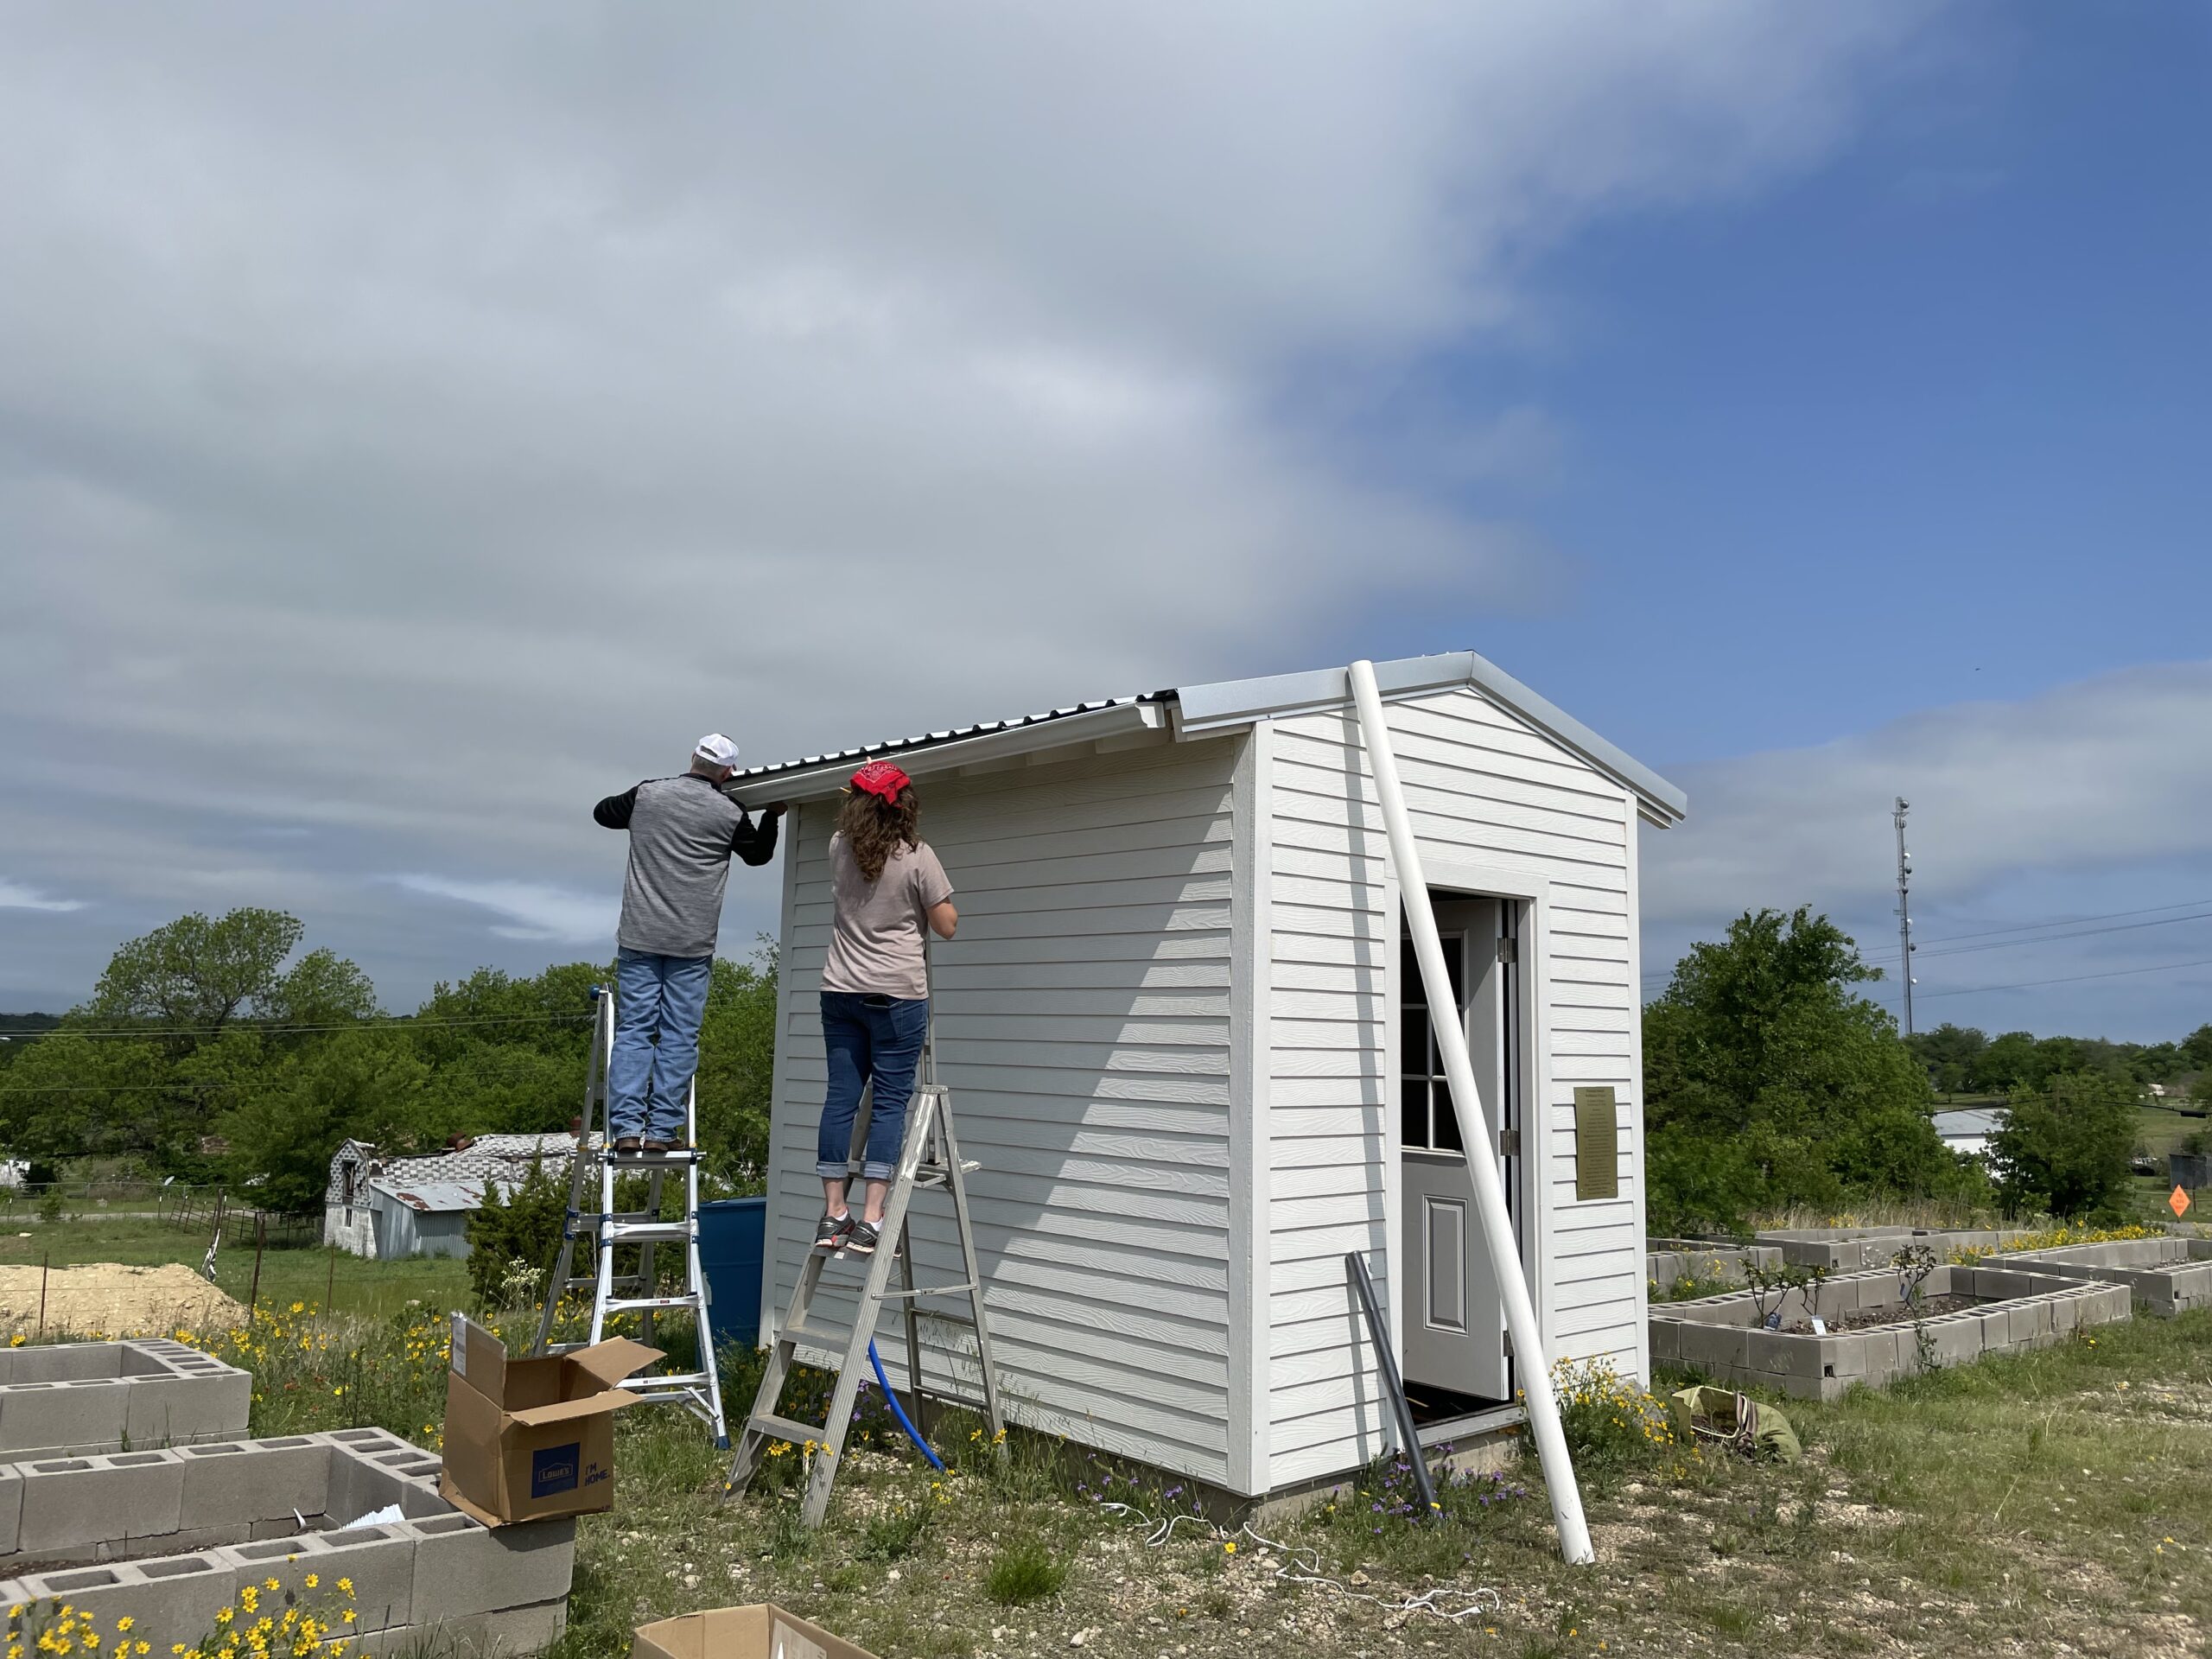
[(875, 1007)]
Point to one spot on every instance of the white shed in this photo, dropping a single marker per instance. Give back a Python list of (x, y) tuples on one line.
[(1183, 1046)]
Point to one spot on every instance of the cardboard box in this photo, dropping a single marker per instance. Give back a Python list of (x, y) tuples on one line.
[(529, 1439), (763, 1630)]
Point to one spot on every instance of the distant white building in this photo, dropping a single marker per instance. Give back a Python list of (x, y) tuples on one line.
[(1967, 1131), (392, 1208)]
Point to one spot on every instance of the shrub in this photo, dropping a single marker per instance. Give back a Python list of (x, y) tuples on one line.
[(1609, 1422), (522, 1227), (1025, 1571), (2066, 1149)]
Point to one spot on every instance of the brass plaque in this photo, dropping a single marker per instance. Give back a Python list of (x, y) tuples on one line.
[(1596, 1143)]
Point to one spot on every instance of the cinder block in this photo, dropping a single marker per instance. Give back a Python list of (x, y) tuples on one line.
[(179, 1409), (359, 1486), (463, 1567), (72, 1503), (379, 1562), (236, 1484), (11, 1508), (168, 1600), (70, 1362), (62, 1417), (1958, 1342)]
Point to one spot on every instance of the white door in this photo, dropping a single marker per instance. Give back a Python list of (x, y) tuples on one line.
[(1454, 1317)]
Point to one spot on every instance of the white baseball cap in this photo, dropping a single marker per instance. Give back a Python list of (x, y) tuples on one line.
[(716, 750)]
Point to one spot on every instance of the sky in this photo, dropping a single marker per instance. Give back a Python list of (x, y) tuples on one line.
[(415, 424)]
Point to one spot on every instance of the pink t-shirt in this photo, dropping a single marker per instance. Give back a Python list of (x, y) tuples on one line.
[(876, 943)]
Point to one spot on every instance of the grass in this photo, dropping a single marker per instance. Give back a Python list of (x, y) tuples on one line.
[(2036, 1504), (1024, 1571)]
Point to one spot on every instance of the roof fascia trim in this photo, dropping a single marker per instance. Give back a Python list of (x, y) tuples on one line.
[(1236, 703), (809, 783)]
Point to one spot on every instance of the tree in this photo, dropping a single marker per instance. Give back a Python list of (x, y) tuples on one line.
[(194, 974), (1950, 1053), (737, 1063), (365, 1084), (1768, 1082), (320, 989), (522, 1226), (2009, 1062), (2065, 1147), (2196, 1049)]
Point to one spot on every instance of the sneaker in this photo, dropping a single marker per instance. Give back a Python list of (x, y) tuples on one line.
[(862, 1241), (831, 1232)]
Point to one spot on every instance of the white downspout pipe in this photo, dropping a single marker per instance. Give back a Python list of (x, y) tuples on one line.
[(1474, 1135)]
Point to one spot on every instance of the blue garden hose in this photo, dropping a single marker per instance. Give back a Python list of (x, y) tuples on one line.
[(897, 1410)]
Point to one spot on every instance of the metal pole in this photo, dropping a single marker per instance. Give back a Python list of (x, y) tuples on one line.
[(1904, 909), (1474, 1134), (1393, 1386), (260, 1242)]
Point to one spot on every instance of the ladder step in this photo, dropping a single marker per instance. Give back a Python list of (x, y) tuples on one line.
[(649, 1232), (656, 1303), (931, 1290), (810, 1336), (676, 1380), (785, 1428), (654, 1160)]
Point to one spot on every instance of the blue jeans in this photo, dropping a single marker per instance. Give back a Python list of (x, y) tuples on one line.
[(655, 996), (867, 1039)]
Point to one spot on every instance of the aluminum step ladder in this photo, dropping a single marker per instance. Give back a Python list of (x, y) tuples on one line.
[(699, 1392), (928, 1162)]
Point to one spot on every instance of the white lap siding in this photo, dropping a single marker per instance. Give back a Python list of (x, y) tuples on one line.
[(1082, 1026), (1484, 788)]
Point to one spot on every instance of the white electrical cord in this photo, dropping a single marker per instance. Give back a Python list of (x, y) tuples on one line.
[(1291, 1569)]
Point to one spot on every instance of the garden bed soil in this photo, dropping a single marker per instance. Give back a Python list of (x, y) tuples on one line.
[(1871, 1318)]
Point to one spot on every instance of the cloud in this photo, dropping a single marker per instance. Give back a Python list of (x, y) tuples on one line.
[(415, 420), (2091, 798), (535, 911), (15, 896)]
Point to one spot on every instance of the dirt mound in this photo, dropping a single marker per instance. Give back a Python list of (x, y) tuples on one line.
[(114, 1300)]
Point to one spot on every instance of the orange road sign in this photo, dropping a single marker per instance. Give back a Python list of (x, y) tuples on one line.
[(2179, 1203)]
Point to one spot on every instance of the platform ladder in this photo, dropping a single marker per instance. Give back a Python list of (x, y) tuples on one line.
[(928, 1162), (698, 1392)]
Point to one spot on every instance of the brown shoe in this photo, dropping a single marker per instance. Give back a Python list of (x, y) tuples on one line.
[(666, 1146), (627, 1143)]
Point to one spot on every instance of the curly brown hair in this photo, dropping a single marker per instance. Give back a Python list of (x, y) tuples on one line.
[(875, 829)]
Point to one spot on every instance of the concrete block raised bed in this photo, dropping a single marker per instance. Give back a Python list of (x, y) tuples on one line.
[(2013, 1311), (2165, 1275), (1855, 1249), (168, 1536), (78, 1397), (1668, 1261)]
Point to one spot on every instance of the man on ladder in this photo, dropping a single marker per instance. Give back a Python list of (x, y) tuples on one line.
[(640, 1085), (683, 831)]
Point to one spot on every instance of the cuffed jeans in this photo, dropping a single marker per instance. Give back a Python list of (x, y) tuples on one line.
[(869, 1038), (662, 998)]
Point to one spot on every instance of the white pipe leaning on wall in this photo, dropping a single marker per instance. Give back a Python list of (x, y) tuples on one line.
[(1474, 1135)]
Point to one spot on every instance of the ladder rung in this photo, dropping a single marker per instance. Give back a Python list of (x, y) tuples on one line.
[(639, 1303), (930, 1290), (808, 1335), (675, 1380), (643, 1232), (783, 1428), (654, 1160)]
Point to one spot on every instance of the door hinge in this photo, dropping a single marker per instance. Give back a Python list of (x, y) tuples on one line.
[(1508, 950), (1509, 1344), (1509, 1143)]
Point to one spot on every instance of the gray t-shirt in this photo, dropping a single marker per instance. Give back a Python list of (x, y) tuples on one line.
[(875, 944), (683, 831)]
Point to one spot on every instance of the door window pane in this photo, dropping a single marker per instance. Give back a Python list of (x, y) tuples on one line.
[(1413, 1099), (1444, 1124)]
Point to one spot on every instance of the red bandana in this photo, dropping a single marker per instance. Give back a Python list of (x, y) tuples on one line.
[(881, 777)]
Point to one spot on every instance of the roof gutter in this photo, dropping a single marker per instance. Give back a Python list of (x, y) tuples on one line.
[(828, 776)]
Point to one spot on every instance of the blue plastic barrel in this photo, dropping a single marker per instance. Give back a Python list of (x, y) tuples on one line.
[(732, 1232)]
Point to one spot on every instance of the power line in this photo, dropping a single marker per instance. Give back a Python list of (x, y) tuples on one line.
[(399, 1023), (2070, 979)]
